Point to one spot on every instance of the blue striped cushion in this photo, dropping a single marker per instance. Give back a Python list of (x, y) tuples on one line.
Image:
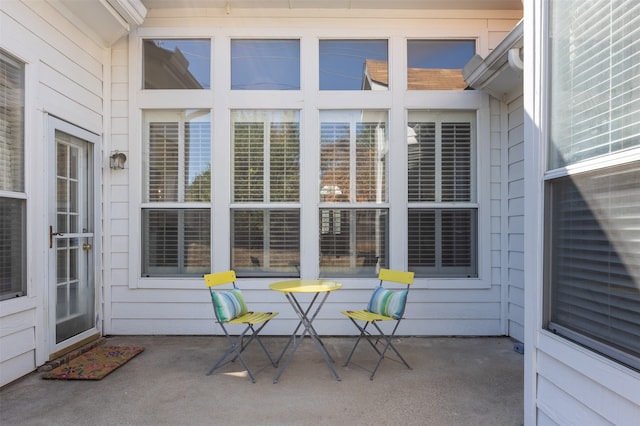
[(229, 304), (389, 303)]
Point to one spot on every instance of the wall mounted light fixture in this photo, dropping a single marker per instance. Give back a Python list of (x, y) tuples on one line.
[(117, 160)]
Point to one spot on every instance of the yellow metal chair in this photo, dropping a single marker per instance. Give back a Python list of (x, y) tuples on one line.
[(230, 308), (384, 305)]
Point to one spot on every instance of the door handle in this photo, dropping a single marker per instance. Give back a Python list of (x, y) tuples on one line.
[(86, 246), (51, 234)]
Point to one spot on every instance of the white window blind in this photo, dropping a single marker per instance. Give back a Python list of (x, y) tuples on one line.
[(442, 241), (13, 205), (595, 79), (353, 173), (176, 229), (595, 265), (266, 173), (11, 124), (265, 242), (353, 241), (592, 224)]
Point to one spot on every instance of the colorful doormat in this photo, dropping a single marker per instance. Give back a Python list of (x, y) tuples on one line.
[(94, 364)]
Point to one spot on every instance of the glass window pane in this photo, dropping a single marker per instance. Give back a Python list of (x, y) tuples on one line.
[(353, 156), (177, 156), (450, 137), (266, 156), (594, 258), (443, 242), (265, 64), (353, 242), (354, 65), (176, 242), (437, 64), (265, 242), (11, 124), (595, 80), (176, 64), (12, 248)]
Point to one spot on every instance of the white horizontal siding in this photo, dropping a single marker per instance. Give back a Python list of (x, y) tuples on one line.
[(515, 218), (64, 77), (17, 343), (181, 307), (576, 386)]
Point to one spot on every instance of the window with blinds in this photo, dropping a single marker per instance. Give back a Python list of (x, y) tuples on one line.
[(443, 214), (176, 229), (595, 83), (353, 185), (265, 237), (592, 225), (13, 201)]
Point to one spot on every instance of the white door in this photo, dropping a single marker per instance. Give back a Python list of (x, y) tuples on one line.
[(72, 272)]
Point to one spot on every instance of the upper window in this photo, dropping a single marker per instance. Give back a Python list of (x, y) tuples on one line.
[(265, 64), (595, 84), (354, 65), (13, 201), (176, 64), (176, 217), (443, 214), (592, 227), (437, 64)]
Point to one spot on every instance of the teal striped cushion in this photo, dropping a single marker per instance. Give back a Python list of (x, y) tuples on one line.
[(229, 304), (389, 303)]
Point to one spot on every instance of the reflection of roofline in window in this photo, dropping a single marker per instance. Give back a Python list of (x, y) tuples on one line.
[(166, 69), (376, 74)]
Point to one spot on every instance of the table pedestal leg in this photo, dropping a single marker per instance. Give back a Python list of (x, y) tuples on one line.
[(305, 322)]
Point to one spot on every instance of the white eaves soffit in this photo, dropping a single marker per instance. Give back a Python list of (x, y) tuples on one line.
[(109, 19), (337, 4)]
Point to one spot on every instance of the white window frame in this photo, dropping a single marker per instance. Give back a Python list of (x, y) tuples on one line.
[(309, 100)]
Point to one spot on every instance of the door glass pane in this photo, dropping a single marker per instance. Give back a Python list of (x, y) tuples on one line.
[(354, 65), (75, 303), (176, 64), (265, 64)]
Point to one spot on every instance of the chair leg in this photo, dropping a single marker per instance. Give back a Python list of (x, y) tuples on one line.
[(388, 344), (380, 336), (363, 332), (237, 347)]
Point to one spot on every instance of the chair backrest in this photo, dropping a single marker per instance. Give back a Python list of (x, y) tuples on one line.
[(400, 277), (390, 303), (227, 304), (220, 278)]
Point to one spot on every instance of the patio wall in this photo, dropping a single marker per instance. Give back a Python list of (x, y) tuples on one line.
[(182, 306), (64, 78)]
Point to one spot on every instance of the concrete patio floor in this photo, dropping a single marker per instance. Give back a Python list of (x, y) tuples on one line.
[(454, 381)]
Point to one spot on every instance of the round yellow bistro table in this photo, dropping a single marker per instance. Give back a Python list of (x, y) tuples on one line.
[(306, 315)]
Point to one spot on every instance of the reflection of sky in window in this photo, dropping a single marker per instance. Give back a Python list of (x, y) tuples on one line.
[(265, 64), (342, 62), (197, 52), (447, 54)]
